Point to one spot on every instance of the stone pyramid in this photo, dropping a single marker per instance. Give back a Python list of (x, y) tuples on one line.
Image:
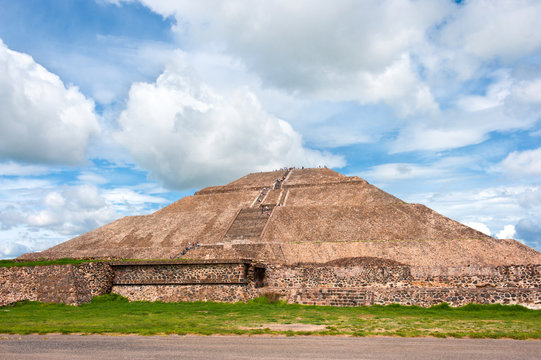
[(290, 216)]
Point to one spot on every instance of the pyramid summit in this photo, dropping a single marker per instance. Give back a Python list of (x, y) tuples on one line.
[(293, 216)]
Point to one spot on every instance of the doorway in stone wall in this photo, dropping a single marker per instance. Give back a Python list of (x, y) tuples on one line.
[(259, 276)]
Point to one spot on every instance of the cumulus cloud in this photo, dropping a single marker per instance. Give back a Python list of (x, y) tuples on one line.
[(479, 227), (340, 51), (519, 163), (531, 198), (12, 250), (37, 215), (419, 58), (11, 168), (187, 135), (42, 215), (510, 34), (41, 120), (69, 211), (495, 207), (508, 232)]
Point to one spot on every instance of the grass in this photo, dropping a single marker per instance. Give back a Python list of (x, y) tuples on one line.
[(114, 314), (67, 261), (63, 261)]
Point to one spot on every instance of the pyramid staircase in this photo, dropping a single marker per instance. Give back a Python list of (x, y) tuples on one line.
[(249, 224)]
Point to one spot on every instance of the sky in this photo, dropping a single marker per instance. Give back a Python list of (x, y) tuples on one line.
[(111, 108)]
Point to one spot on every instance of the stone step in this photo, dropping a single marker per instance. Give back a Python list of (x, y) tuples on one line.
[(249, 223)]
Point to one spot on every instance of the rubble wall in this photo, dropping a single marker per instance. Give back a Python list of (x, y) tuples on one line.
[(412, 296), (68, 284), (206, 280), (174, 293), (235, 280), (310, 276), (154, 274), (369, 285)]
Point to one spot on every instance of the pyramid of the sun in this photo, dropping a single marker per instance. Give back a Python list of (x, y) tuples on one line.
[(312, 215)]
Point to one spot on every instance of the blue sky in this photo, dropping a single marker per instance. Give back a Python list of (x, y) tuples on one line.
[(111, 108)]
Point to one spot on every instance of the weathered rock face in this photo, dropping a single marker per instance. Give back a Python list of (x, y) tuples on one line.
[(310, 215)]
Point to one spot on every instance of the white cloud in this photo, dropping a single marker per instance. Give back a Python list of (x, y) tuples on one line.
[(87, 177), (494, 207), (339, 51), (531, 198), (72, 210), (454, 129), (19, 239), (187, 135), (508, 104), (41, 121), (479, 227), (38, 215), (511, 209), (12, 249), (494, 96), (441, 168), (121, 61), (522, 163), (528, 91), (393, 52), (510, 33), (11, 168), (508, 232), (124, 198)]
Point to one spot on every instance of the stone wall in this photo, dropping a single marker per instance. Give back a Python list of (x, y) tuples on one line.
[(368, 285), (205, 280), (331, 285), (310, 276), (174, 293), (67, 284), (153, 273), (241, 280), (411, 296)]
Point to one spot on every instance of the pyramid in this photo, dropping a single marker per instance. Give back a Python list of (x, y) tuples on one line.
[(295, 216)]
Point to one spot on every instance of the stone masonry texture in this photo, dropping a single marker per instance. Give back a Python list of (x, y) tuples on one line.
[(67, 284), (235, 280), (334, 285)]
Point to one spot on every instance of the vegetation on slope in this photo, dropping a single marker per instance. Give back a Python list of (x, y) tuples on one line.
[(63, 261), (114, 314), (67, 261)]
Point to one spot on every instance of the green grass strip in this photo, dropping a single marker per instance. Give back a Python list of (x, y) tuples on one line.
[(67, 261), (114, 314), (63, 261)]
